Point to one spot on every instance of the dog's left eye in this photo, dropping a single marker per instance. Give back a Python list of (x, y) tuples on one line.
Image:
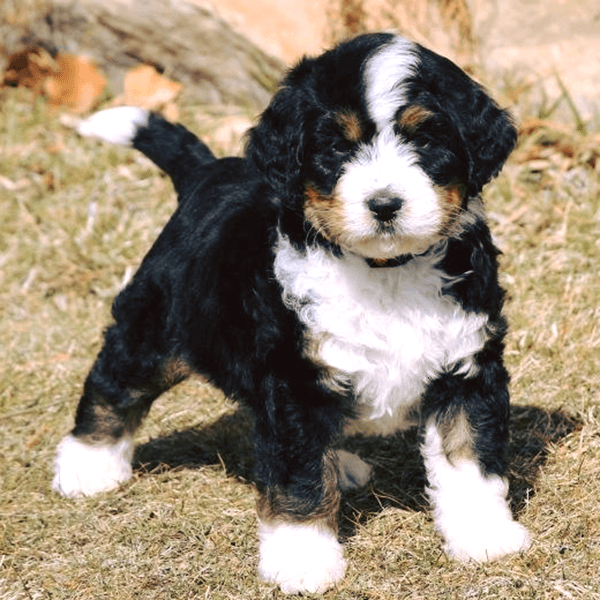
[(435, 131), (340, 146)]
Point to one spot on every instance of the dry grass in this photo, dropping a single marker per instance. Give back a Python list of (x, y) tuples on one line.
[(77, 217)]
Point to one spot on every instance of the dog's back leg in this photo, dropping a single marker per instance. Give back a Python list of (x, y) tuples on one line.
[(142, 355), (139, 361), (96, 456)]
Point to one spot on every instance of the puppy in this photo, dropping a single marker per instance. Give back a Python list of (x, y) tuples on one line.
[(338, 279)]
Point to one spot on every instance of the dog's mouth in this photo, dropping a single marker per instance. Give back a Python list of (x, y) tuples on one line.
[(386, 230), (389, 248)]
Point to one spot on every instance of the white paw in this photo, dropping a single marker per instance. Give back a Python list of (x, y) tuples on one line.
[(487, 540), (300, 558), (354, 473), (117, 125), (472, 513), (470, 509), (84, 470)]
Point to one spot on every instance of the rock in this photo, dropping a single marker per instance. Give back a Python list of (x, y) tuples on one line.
[(542, 56), (190, 44), (290, 29)]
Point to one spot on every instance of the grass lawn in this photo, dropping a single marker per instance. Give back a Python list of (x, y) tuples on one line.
[(77, 216)]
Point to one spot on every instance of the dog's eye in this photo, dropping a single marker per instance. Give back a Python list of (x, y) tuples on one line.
[(340, 146), (426, 129)]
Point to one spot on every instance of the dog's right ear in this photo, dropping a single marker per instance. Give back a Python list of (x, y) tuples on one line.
[(276, 145)]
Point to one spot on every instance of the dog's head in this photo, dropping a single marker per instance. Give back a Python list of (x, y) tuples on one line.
[(376, 146)]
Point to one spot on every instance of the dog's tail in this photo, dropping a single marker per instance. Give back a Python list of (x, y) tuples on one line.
[(177, 151)]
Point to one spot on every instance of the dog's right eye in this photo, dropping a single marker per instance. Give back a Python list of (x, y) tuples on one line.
[(340, 146)]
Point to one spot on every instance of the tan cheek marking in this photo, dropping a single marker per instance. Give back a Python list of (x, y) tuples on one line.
[(351, 126), (410, 120), (324, 212), (455, 194), (451, 201)]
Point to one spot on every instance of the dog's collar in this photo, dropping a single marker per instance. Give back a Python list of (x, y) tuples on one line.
[(386, 263)]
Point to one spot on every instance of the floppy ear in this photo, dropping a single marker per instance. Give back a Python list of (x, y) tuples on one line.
[(490, 136), (487, 130), (276, 145)]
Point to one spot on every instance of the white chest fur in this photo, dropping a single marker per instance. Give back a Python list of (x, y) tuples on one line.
[(388, 332)]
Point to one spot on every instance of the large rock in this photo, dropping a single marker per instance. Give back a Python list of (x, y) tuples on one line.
[(290, 29), (190, 43)]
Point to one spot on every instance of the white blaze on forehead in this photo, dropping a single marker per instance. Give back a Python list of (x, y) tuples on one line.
[(385, 76)]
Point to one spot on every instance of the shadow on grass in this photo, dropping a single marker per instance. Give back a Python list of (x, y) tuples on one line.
[(398, 472), (226, 441)]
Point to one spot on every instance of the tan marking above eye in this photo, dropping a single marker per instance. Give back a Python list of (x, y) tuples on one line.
[(351, 125), (411, 118)]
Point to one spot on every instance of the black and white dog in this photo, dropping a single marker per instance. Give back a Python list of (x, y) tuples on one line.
[(340, 278)]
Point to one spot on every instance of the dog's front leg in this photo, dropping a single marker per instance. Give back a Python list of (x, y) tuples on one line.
[(464, 445), (298, 501)]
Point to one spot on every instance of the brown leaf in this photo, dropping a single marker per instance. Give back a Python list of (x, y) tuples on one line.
[(29, 68), (145, 87), (77, 84)]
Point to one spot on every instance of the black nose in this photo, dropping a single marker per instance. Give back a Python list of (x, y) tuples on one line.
[(384, 206)]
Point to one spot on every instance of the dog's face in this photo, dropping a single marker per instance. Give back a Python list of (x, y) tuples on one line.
[(375, 147)]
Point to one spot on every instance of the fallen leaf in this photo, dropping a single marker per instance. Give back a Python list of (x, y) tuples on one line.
[(29, 68), (66, 80), (146, 87), (77, 84)]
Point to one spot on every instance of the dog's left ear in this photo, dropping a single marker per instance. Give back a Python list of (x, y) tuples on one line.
[(487, 130)]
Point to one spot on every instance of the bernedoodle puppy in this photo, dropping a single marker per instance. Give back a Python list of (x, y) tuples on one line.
[(340, 278)]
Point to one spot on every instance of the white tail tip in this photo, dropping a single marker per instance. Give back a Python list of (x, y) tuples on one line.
[(117, 125)]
